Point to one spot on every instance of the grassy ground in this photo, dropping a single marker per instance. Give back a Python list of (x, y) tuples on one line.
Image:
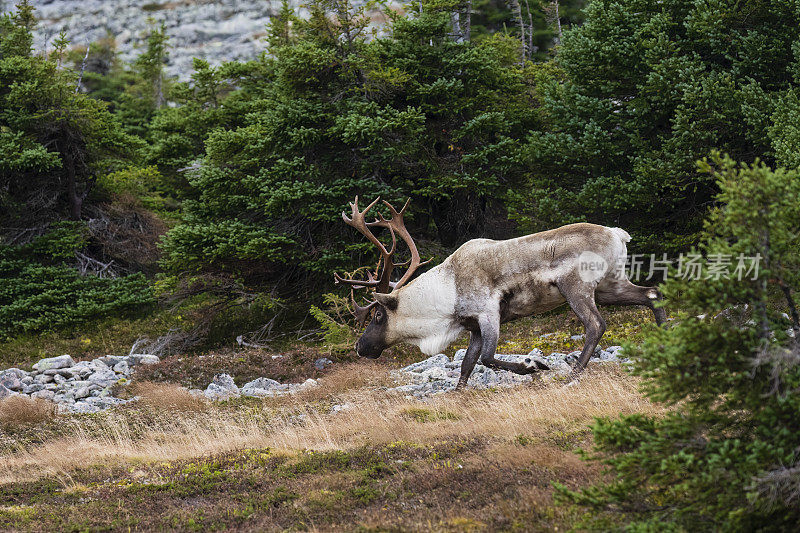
[(347, 456)]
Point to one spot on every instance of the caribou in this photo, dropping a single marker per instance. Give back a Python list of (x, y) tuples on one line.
[(485, 283)]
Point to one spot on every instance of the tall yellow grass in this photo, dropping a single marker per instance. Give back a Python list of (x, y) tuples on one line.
[(148, 433)]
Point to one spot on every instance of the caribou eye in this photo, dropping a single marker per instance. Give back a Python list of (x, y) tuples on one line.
[(378, 315)]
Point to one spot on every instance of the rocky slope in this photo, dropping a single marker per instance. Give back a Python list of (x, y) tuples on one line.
[(214, 30), (89, 386)]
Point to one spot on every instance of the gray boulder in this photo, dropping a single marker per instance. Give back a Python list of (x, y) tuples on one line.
[(84, 407), (5, 392), (437, 360), (142, 359), (44, 395), (62, 361), (222, 388), (103, 378), (34, 387), (322, 362), (12, 379), (111, 360), (262, 387), (122, 368)]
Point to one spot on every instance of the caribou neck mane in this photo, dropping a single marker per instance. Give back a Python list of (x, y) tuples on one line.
[(427, 307)]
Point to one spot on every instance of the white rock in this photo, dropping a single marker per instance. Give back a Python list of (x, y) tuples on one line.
[(222, 388), (216, 392), (434, 373), (62, 361), (122, 368), (309, 383), (84, 407), (81, 393), (142, 359), (261, 383), (44, 395), (5, 392), (438, 360)]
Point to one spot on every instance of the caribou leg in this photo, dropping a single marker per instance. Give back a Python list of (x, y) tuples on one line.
[(581, 299), (623, 292), (470, 358), (490, 332)]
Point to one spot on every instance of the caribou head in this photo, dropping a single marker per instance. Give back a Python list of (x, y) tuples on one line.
[(380, 333)]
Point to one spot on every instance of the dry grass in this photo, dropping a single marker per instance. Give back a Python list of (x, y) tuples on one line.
[(167, 396), (21, 410), (371, 417)]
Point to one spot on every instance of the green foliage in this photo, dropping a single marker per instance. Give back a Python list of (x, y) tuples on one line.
[(41, 291), (335, 321), (726, 456), (178, 134), (331, 115), (145, 85), (53, 140), (651, 88)]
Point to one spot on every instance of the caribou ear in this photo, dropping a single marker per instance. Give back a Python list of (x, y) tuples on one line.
[(389, 301)]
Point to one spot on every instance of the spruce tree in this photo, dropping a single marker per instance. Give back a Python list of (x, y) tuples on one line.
[(726, 456)]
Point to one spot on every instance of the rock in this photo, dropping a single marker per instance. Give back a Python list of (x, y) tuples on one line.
[(34, 387), (122, 368), (322, 362), (65, 373), (262, 387), (81, 393), (536, 352), (222, 388), (277, 357), (105, 402), (615, 350), (577, 337), (111, 360), (42, 379), (62, 361), (309, 383), (5, 392), (59, 379), (434, 373), (436, 360), (572, 357), (44, 395), (142, 359), (11, 379), (84, 407), (605, 355), (459, 355), (103, 378)]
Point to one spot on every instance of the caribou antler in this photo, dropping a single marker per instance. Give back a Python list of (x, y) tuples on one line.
[(396, 226), (361, 313)]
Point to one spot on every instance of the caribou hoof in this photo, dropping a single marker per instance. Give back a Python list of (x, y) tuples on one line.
[(535, 365)]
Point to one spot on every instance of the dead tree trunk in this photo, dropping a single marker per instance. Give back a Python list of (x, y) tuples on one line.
[(516, 9)]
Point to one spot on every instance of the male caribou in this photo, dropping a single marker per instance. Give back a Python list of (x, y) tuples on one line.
[(485, 283)]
